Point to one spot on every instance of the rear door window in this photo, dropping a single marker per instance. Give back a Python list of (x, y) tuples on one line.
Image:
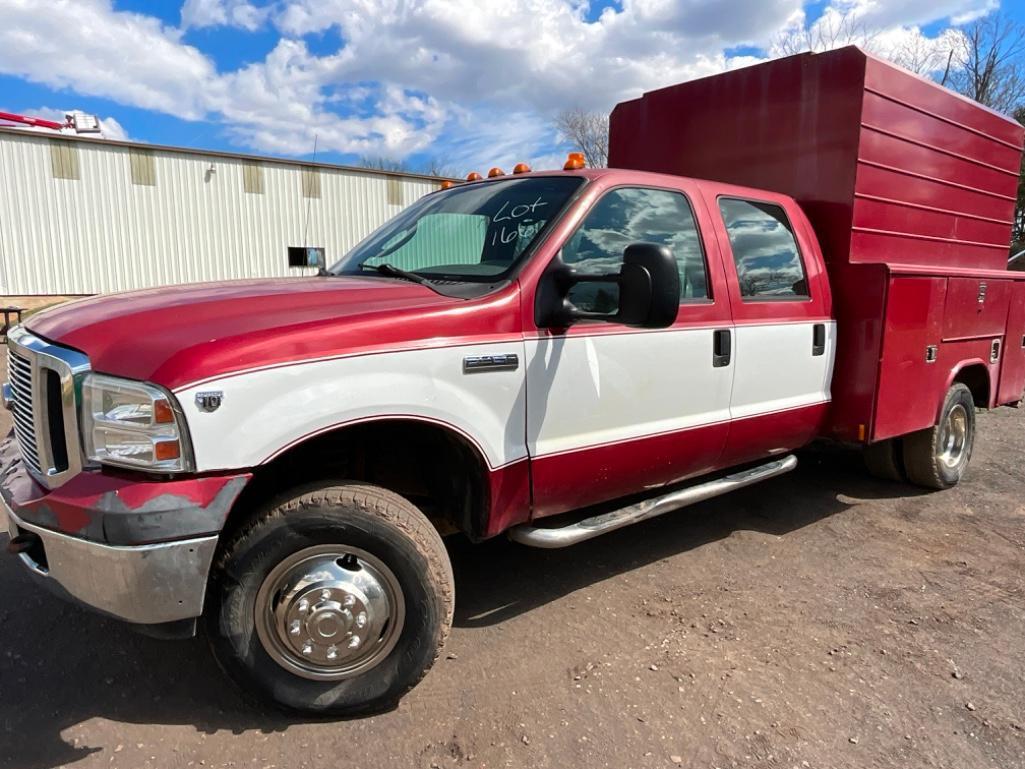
[(769, 265)]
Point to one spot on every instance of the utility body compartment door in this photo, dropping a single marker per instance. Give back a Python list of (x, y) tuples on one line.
[(915, 363), (1012, 368), (975, 307)]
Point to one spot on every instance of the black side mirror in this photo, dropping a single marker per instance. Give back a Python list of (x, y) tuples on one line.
[(649, 290)]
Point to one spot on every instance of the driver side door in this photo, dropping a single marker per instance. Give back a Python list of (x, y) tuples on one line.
[(614, 410)]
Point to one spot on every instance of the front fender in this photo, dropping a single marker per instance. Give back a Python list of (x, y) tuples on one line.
[(264, 412)]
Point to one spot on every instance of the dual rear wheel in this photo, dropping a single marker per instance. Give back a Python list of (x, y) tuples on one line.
[(934, 458)]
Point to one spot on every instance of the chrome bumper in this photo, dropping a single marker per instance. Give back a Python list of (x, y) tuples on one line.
[(143, 584)]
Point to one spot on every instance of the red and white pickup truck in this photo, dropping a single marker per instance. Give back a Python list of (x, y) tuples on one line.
[(282, 457)]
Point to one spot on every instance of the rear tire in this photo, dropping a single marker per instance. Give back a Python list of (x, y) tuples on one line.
[(936, 458), (335, 602), (883, 460)]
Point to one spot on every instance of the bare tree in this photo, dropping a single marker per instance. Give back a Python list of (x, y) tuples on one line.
[(846, 25), (989, 63), (836, 28), (430, 167), (927, 56), (588, 131)]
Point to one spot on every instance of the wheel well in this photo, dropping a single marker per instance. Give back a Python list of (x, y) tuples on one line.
[(435, 468), (976, 377)]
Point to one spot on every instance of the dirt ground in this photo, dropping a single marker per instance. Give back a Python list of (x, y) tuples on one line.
[(823, 619)]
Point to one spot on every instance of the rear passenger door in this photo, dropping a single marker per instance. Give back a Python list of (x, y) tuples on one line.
[(785, 336)]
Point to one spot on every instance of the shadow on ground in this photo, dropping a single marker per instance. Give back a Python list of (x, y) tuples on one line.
[(60, 666)]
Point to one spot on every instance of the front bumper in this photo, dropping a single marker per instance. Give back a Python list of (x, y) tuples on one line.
[(143, 584), (133, 549)]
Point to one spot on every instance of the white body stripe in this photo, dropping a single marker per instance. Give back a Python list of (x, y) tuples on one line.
[(589, 390), (568, 393), (265, 411), (775, 369)]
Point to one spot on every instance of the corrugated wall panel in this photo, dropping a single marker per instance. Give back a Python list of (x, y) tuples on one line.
[(102, 233)]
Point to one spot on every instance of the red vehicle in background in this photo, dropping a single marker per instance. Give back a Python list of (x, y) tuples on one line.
[(810, 248)]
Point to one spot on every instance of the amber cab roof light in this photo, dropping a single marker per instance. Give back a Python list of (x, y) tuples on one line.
[(574, 162), (473, 176), (448, 183), (496, 171), (521, 168)]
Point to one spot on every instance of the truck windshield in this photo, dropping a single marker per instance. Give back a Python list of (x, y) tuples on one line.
[(475, 232)]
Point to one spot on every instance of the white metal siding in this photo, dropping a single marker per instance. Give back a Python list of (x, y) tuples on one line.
[(102, 233)]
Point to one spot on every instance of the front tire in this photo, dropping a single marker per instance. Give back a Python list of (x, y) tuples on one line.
[(335, 602), (937, 457)]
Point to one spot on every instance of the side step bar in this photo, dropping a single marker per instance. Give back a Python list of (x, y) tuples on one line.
[(649, 508)]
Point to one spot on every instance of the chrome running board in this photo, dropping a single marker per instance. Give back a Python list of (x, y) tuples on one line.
[(649, 508)]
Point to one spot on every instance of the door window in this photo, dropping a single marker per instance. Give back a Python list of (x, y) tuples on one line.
[(634, 215), (764, 250)]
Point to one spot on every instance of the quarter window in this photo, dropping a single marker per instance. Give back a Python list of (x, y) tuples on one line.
[(764, 250), (634, 215)]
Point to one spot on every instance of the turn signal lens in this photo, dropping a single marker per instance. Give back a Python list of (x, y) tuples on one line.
[(164, 451), (473, 176), (496, 171), (162, 412), (445, 185), (574, 162), (521, 168)]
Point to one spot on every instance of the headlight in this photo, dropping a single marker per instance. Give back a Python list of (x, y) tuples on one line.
[(132, 424)]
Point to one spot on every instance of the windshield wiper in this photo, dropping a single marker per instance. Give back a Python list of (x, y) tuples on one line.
[(395, 272)]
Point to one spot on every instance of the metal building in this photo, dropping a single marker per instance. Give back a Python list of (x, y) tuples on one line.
[(88, 216)]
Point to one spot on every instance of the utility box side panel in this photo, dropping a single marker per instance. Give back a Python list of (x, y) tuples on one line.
[(937, 175), (910, 383), (1012, 369)]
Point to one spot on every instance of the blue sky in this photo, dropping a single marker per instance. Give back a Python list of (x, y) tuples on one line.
[(462, 83)]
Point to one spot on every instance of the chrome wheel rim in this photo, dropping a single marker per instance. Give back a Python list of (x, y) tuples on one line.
[(954, 442), (329, 612)]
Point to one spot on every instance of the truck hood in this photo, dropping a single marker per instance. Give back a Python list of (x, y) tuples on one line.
[(183, 334)]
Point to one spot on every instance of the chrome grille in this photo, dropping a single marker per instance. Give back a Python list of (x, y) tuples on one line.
[(19, 371), (44, 379)]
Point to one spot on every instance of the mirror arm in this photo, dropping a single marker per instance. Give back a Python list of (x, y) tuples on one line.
[(613, 277), (563, 278)]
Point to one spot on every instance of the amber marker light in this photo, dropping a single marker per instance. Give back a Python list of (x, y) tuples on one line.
[(473, 176), (165, 450), (447, 185), (496, 171), (162, 413), (521, 168), (574, 162)]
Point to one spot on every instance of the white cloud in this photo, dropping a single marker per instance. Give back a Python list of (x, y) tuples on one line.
[(86, 46), (113, 130), (479, 81), (214, 13)]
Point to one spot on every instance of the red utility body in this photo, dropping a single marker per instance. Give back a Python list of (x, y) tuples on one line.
[(910, 189)]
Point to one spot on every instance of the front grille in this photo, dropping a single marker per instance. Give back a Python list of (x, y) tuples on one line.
[(21, 374), (44, 378)]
